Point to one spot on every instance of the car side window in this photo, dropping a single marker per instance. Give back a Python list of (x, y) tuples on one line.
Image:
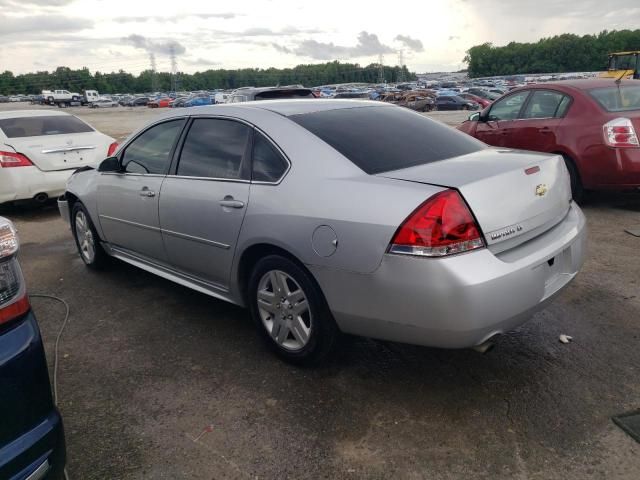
[(214, 148), (150, 152), (268, 164), (509, 107), (545, 104)]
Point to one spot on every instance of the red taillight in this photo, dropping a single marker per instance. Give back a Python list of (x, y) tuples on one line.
[(112, 148), (11, 159), (443, 225), (16, 309), (620, 133)]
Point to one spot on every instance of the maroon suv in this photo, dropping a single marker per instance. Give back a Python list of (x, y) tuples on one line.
[(591, 123)]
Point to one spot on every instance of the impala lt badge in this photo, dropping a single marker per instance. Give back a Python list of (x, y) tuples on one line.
[(541, 190)]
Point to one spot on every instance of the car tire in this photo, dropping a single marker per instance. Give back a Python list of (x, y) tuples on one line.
[(87, 239), (291, 312), (577, 190)]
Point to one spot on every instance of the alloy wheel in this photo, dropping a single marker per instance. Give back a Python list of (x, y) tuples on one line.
[(85, 237), (284, 310)]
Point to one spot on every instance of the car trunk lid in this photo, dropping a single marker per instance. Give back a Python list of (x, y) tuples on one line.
[(62, 152), (514, 195)]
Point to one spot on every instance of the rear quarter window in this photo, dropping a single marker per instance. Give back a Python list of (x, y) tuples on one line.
[(42, 126), (382, 139)]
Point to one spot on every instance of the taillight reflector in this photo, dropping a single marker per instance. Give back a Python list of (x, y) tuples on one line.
[(16, 309), (112, 148), (620, 133), (443, 225), (12, 159)]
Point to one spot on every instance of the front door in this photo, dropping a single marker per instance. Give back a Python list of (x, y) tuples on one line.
[(499, 126), (128, 201), (203, 205)]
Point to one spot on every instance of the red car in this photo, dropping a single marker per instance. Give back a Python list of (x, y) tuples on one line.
[(160, 103), (593, 124), (483, 102)]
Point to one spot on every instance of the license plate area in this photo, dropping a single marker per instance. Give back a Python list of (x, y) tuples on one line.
[(557, 270)]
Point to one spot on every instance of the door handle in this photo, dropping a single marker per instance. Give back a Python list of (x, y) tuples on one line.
[(145, 192), (544, 130), (230, 202)]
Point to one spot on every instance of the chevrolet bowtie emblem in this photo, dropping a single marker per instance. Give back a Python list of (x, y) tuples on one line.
[(541, 190)]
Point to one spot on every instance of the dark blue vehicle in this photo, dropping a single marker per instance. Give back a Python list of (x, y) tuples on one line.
[(198, 100), (32, 443)]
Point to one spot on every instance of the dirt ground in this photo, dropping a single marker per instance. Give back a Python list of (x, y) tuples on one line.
[(160, 382)]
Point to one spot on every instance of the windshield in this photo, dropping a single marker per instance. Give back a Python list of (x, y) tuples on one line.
[(623, 62), (382, 139), (614, 99), (42, 125)]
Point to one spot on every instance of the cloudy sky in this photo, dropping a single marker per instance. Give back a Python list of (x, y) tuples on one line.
[(108, 35)]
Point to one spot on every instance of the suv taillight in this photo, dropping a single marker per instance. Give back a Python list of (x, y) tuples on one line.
[(112, 148), (12, 159), (14, 301), (620, 133), (443, 225)]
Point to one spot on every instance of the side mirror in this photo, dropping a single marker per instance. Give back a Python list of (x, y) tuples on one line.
[(474, 117), (111, 164)]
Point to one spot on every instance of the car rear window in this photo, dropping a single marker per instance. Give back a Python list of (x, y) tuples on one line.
[(614, 99), (274, 94), (41, 126), (382, 139)]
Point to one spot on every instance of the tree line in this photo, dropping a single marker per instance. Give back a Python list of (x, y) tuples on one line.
[(123, 82), (561, 53)]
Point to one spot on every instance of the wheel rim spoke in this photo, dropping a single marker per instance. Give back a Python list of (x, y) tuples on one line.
[(300, 330), (301, 307)]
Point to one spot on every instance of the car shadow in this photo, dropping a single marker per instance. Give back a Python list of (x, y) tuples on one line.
[(30, 211)]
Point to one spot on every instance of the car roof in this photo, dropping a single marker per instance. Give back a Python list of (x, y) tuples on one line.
[(289, 107), (31, 113)]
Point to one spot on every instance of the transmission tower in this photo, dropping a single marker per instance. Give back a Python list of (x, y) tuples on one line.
[(174, 69), (381, 69), (401, 77), (154, 76)]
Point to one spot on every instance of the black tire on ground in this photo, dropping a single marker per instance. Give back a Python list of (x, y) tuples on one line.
[(100, 257), (324, 334), (577, 190)]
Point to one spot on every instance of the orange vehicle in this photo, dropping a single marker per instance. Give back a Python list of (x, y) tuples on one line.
[(159, 103)]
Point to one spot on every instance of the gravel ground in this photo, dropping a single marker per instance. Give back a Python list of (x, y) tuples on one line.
[(160, 382)]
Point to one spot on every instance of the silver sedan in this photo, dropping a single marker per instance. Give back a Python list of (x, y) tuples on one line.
[(324, 217)]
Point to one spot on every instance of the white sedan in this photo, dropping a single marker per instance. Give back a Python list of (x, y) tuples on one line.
[(40, 149), (104, 103)]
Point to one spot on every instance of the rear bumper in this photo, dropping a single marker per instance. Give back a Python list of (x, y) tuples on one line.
[(24, 183), (459, 301), (32, 431)]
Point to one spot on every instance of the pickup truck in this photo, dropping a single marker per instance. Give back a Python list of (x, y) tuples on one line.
[(61, 98)]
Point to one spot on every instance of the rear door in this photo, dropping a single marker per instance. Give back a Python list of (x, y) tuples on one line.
[(536, 128), (128, 201), (202, 204), (497, 129)]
